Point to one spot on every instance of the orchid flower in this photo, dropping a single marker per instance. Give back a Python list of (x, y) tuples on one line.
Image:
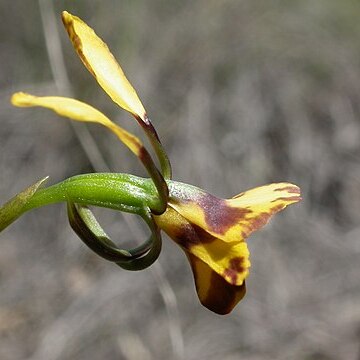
[(211, 231)]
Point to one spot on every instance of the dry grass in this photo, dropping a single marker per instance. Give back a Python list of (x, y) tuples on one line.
[(242, 93)]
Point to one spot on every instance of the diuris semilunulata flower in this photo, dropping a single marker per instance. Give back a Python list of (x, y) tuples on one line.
[(211, 231)]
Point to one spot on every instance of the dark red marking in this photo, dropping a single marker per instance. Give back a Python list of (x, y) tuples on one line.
[(239, 195), (287, 198), (190, 235), (219, 216), (147, 125), (259, 221), (289, 189), (276, 209), (144, 155), (222, 296), (75, 39), (235, 268)]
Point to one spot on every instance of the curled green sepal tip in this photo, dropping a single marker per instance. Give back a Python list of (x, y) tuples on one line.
[(85, 225), (16, 206)]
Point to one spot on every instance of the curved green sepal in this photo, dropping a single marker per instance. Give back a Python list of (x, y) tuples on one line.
[(85, 225), (16, 206), (90, 232), (148, 259)]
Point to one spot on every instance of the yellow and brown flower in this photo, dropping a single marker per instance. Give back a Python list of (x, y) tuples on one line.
[(211, 231)]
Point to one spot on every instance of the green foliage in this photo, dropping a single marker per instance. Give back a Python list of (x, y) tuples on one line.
[(17, 205)]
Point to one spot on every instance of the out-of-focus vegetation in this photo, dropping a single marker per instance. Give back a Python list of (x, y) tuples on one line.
[(242, 93)]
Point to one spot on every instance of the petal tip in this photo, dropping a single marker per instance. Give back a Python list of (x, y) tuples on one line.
[(21, 99), (291, 192), (66, 17), (288, 187)]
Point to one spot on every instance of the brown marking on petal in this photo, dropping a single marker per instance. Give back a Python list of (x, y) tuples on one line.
[(239, 195), (144, 155), (143, 121), (150, 127), (259, 221), (222, 296), (190, 234), (76, 41), (276, 209), (219, 216), (235, 268), (288, 198), (289, 189), (203, 236)]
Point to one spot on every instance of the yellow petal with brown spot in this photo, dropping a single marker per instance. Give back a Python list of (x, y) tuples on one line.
[(214, 292), (229, 260), (98, 59), (235, 219), (79, 111), (261, 203)]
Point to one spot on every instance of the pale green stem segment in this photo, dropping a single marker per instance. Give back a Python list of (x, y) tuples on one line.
[(122, 192)]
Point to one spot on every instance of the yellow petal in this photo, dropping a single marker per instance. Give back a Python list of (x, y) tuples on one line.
[(213, 291), (261, 203), (228, 260), (98, 59), (235, 219), (79, 111)]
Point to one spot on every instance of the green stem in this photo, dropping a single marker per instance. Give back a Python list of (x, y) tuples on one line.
[(122, 192)]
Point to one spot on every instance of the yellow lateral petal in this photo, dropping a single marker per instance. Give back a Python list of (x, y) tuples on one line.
[(235, 219), (79, 111), (229, 260), (98, 59), (213, 291), (262, 203)]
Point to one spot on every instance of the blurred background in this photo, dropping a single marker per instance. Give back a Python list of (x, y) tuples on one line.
[(242, 93)]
